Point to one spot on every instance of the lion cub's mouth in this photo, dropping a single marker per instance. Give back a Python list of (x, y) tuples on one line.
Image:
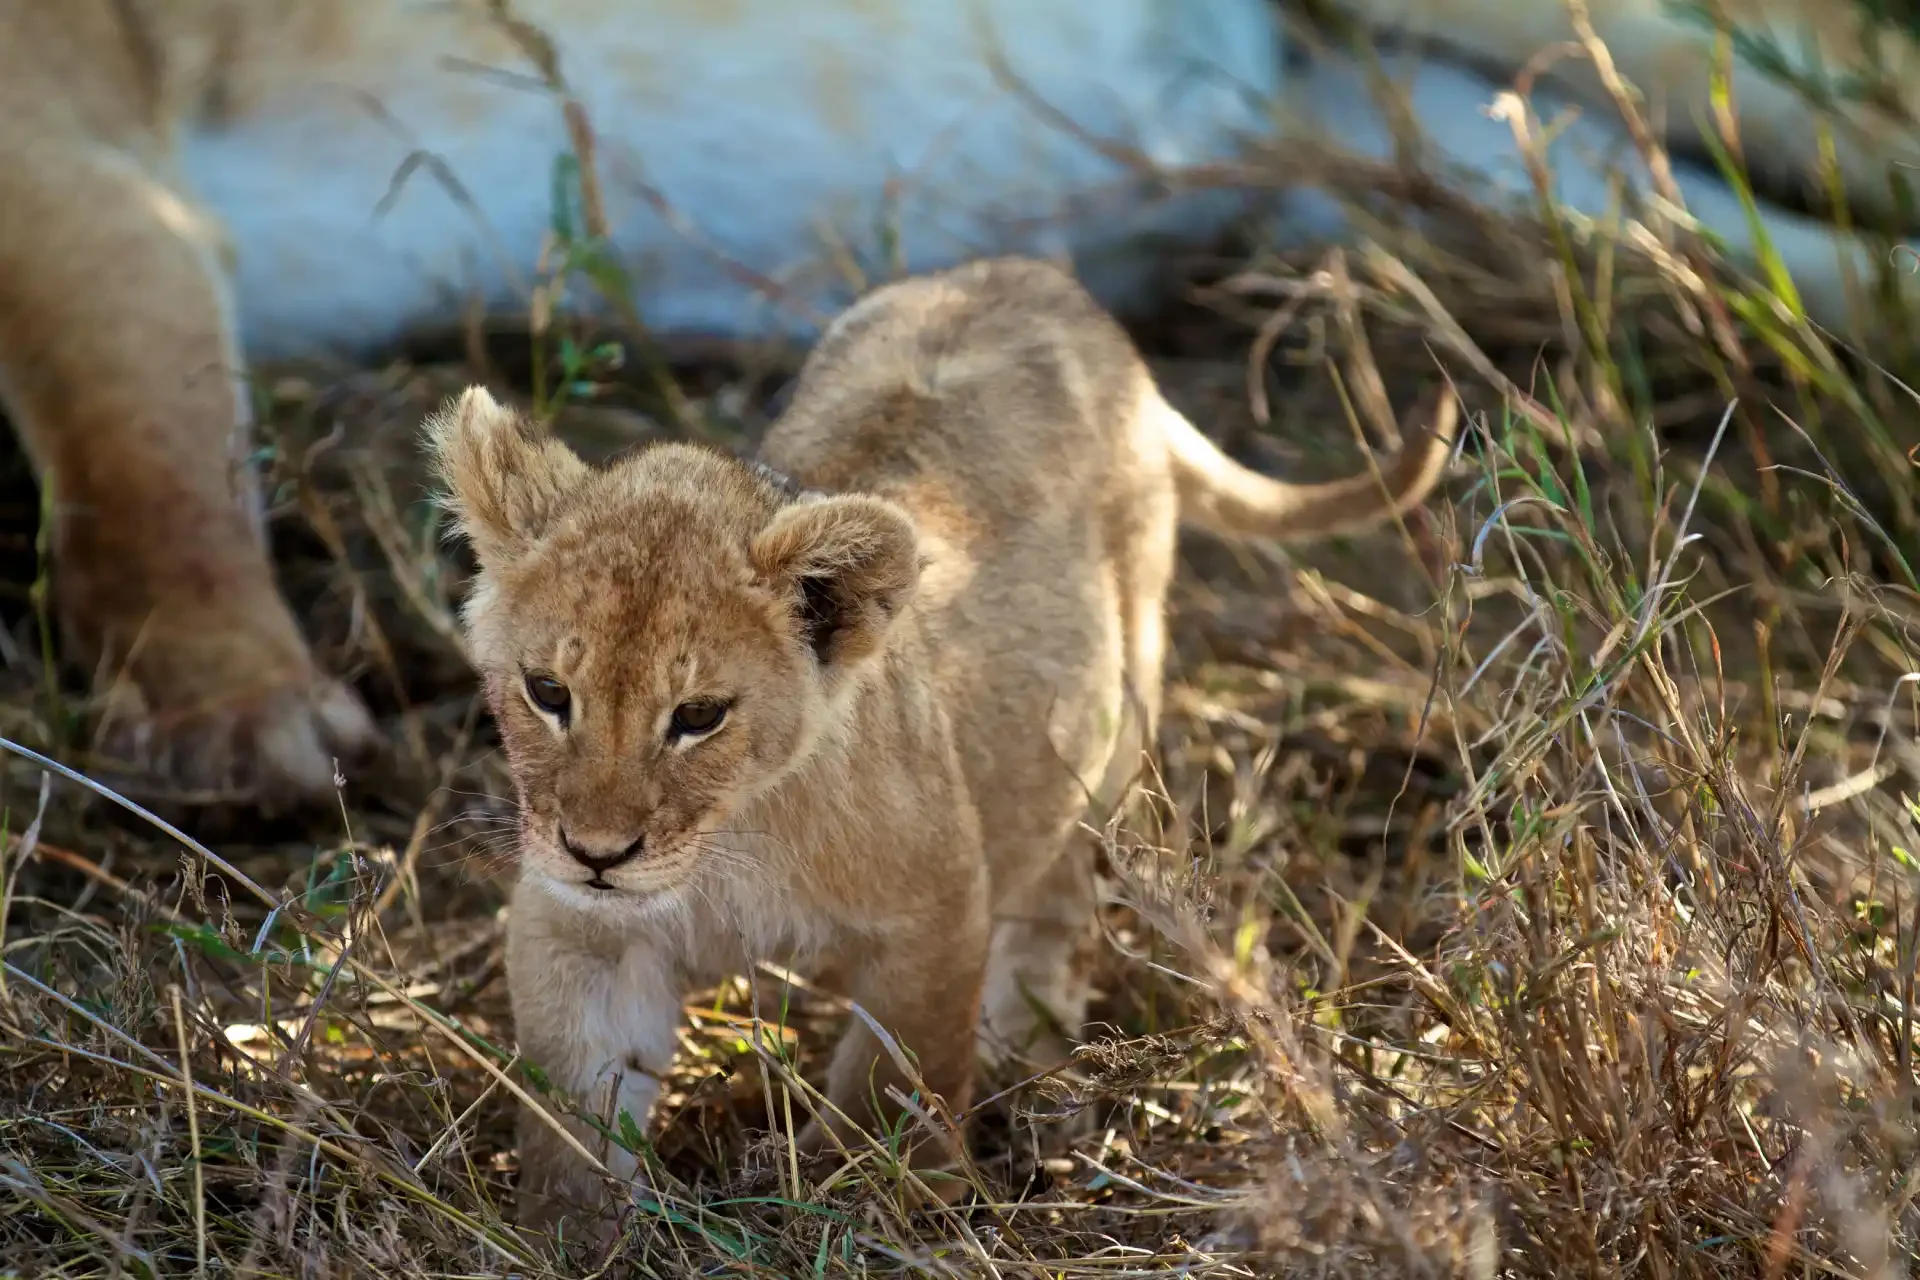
[(599, 887), (594, 892)]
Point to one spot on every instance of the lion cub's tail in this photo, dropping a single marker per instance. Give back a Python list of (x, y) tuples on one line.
[(1223, 497)]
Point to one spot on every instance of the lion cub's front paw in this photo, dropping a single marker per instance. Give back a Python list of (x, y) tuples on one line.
[(227, 722)]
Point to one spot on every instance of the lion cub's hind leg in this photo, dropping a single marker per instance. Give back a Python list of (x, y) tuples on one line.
[(1046, 941), (1046, 938), (1038, 980)]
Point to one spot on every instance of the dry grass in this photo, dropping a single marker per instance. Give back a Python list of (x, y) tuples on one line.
[(1522, 891)]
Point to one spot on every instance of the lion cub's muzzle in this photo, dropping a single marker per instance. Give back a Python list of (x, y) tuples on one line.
[(600, 857)]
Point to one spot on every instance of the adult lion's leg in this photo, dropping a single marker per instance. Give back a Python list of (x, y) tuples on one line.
[(119, 369)]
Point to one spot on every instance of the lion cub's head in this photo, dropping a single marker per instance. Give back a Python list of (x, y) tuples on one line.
[(662, 640)]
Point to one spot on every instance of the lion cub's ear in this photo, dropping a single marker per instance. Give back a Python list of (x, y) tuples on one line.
[(851, 562), (505, 483)]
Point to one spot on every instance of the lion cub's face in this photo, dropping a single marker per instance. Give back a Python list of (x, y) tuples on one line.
[(661, 641)]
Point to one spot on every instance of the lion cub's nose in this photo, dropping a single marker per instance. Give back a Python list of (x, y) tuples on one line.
[(599, 861)]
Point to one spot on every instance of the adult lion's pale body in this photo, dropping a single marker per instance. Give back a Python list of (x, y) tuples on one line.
[(186, 182)]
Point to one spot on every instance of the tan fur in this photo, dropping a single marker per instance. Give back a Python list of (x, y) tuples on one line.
[(992, 487)]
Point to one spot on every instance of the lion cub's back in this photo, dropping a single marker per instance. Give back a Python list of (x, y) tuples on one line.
[(1001, 406), (1001, 383)]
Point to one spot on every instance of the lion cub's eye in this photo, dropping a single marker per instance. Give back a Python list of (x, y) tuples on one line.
[(697, 717), (549, 695)]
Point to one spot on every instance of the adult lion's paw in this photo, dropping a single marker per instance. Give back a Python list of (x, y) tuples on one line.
[(271, 734)]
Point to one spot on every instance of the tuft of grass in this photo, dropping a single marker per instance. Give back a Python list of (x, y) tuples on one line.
[(1528, 889)]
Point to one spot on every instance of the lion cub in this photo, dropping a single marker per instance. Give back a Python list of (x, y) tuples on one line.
[(849, 703)]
